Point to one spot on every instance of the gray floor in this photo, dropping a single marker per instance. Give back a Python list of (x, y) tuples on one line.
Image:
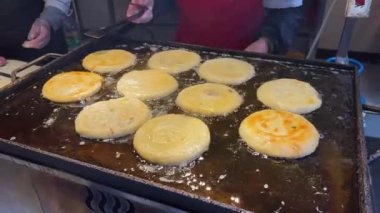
[(373, 145), (370, 90), (370, 84), (23, 190)]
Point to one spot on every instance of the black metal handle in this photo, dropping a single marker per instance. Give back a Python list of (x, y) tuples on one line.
[(101, 32), (371, 108), (35, 61)]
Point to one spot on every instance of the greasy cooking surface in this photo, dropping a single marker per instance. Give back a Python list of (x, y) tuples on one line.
[(229, 173)]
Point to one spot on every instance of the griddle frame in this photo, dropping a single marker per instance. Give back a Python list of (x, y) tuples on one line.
[(140, 187)]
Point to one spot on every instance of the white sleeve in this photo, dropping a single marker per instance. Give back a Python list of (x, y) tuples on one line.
[(62, 5), (281, 4), (55, 11)]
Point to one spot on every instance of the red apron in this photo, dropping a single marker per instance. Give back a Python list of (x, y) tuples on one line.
[(232, 24)]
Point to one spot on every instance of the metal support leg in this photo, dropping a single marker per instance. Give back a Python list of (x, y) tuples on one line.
[(78, 18), (111, 10), (345, 40)]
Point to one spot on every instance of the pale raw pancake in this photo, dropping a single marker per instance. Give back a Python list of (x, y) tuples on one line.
[(147, 84), (112, 118), (109, 61), (279, 134), (174, 61), (4, 81), (72, 86), (209, 99), (172, 139), (226, 71), (289, 95), (15, 64)]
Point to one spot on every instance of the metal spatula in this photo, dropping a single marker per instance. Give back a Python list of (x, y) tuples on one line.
[(101, 32)]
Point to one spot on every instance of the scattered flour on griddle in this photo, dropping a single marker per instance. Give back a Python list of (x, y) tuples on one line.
[(280, 207), (53, 117), (322, 135), (167, 180), (177, 174), (154, 49), (125, 139), (255, 153), (162, 106), (48, 122), (318, 210), (322, 192), (249, 108), (235, 199), (235, 148), (118, 154), (149, 168), (221, 177)]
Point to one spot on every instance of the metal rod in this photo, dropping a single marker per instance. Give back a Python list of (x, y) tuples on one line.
[(111, 10), (35, 61), (345, 40), (374, 157), (320, 31), (78, 18)]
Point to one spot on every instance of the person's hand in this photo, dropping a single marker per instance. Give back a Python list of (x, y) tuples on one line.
[(39, 35), (3, 61), (259, 46), (144, 18)]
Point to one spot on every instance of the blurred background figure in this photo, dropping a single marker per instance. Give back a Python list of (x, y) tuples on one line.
[(29, 29), (267, 26)]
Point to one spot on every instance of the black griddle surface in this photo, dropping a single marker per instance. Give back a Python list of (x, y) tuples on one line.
[(229, 172)]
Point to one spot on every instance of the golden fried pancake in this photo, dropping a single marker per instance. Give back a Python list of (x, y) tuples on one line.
[(111, 119), (290, 95), (209, 99), (174, 61), (147, 84), (172, 139), (109, 61), (72, 86), (279, 134), (226, 71)]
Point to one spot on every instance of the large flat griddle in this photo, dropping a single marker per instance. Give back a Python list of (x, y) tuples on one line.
[(229, 176)]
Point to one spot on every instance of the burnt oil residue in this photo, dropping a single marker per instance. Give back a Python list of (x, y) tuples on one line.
[(228, 172)]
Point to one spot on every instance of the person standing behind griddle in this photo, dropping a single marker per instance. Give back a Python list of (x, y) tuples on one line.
[(31, 28), (265, 26)]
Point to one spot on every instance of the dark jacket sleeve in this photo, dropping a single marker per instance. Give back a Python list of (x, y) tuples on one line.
[(281, 27)]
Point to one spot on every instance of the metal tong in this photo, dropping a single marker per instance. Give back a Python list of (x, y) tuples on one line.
[(101, 32)]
